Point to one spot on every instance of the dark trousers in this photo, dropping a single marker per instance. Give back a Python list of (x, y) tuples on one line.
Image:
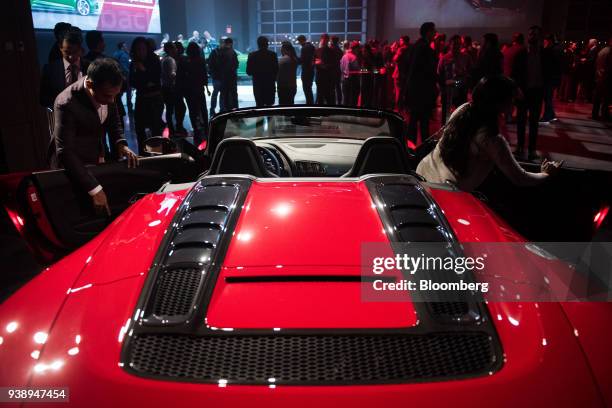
[(350, 91), (180, 110), (264, 91), (169, 95), (198, 114), (307, 79), (549, 109), (532, 106), (419, 119), (286, 94), (147, 115), (338, 88), (325, 89), (228, 95), (215, 96), (601, 103)]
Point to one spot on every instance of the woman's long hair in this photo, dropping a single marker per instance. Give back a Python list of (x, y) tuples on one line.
[(489, 98), (288, 50)]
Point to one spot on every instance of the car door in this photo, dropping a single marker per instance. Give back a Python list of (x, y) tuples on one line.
[(57, 217), (563, 209)]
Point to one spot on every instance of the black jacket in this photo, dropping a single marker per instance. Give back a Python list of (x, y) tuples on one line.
[(78, 135), (53, 80), (262, 65), (420, 87), (307, 57)]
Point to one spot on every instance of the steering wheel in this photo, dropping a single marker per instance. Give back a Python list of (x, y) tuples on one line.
[(270, 160)]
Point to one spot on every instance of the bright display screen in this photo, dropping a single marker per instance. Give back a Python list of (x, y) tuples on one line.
[(132, 16)]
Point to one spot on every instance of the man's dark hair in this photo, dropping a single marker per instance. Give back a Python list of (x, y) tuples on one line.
[(518, 38), (335, 39), (427, 27), (120, 45), (262, 42), (93, 38), (105, 71), (536, 28), (73, 36), (168, 46), (406, 39), (301, 38), (193, 50), (325, 36), (60, 29), (228, 41)]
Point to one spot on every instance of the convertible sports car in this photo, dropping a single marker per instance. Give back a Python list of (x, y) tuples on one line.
[(234, 279)]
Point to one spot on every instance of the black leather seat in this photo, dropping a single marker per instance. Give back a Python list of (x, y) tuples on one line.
[(381, 155), (238, 155)]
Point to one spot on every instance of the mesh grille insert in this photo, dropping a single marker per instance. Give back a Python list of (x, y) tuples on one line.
[(313, 359), (451, 309), (175, 292)]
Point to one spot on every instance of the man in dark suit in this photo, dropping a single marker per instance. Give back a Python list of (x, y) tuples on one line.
[(59, 74), (324, 61), (84, 112), (96, 44), (420, 83), (307, 63), (262, 65), (59, 31)]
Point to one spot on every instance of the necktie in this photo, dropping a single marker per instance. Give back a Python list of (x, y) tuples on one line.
[(72, 75)]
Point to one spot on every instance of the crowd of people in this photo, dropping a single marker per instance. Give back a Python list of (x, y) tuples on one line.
[(405, 76)]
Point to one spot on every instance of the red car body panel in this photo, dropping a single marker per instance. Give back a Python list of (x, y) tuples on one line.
[(543, 366), (293, 229)]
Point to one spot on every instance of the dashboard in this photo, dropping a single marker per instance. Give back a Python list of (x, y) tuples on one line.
[(309, 157)]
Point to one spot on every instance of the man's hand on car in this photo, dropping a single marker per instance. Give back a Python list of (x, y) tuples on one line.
[(132, 159), (100, 203)]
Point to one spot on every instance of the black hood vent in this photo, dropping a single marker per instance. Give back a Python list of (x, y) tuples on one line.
[(190, 249)]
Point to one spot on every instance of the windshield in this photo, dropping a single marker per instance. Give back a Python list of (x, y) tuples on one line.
[(305, 126)]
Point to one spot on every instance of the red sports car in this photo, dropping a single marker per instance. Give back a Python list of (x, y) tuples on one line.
[(238, 282)]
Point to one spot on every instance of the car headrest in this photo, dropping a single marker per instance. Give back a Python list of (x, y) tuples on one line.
[(380, 155), (238, 155)]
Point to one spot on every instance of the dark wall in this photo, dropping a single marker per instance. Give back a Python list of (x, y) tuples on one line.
[(383, 12)]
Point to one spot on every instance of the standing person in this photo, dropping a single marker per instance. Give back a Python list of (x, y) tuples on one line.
[(490, 59), (419, 90), (192, 79), (307, 64), (529, 76), (510, 53), (262, 65), (400, 60), (168, 84), (228, 76), (323, 61), (587, 71), (59, 74), (337, 56), (145, 78), (349, 66), (96, 45), (59, 31), (195, 38), (84, 113), (567, 89), (122, 56), (287, 74), (213, 72), (180, 108), (453, 71), (603, 83), (551, 65)]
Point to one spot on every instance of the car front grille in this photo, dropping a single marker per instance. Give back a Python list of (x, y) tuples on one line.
[(312, 359)]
